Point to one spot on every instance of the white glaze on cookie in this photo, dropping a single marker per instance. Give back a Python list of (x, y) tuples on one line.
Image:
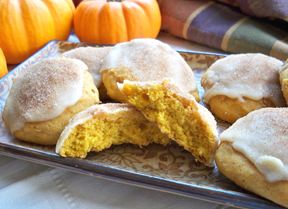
[(254, 76), (262, 137), (150, 59), (43, 91), (92, 57)]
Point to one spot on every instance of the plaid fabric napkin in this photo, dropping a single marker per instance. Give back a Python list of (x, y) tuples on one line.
[(235, 26)]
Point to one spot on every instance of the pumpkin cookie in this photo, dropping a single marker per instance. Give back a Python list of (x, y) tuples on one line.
[(145, 60), (238, 84), (102, 126), (253, 153), (45, 96), (177, 114)]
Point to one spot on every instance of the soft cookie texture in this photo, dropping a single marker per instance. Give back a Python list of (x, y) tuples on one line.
[(238, 84), (45, 96), (145, 60), (93, 58), (253, 153), (177, 114), (102, 126)]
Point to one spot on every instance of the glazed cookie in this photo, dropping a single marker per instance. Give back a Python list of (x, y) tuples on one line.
[(177, 114), (284, 79), (93, 58), (102, 126), (145, 60), (238, 84), (253, 153), (45, 96)]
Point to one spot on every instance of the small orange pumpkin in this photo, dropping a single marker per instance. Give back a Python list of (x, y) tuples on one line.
[(115, 21), (3, 65), (27, 25)]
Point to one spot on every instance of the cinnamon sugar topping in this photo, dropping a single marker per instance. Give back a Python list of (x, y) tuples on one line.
[(44, 90), (262, 137), (150, 59), (254, 76)]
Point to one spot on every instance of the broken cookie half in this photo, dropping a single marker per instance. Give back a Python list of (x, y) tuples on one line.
[(101, 126), (177, 114)]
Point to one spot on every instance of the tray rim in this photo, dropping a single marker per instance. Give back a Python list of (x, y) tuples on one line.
[(204, 193)]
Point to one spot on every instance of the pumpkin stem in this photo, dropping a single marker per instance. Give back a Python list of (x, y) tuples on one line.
[(115, 0)]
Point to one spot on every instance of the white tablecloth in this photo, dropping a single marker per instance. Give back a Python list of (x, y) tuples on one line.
[(25, 184)]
